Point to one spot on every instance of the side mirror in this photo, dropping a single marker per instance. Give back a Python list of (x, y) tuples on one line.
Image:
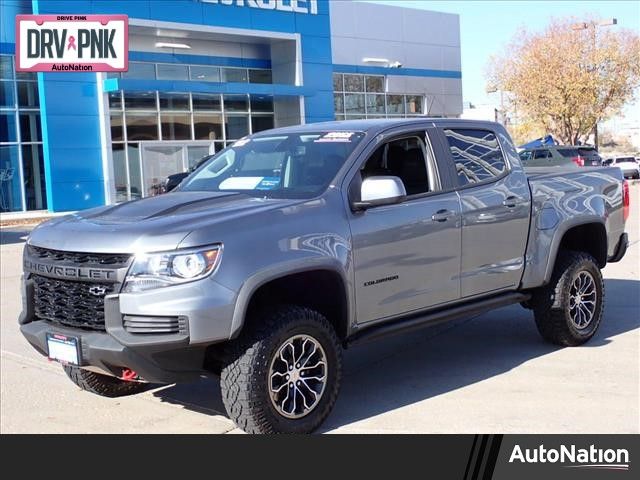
[(377, 191)]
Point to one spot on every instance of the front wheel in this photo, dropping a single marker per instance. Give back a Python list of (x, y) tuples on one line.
[(283, 374), (569, 309)]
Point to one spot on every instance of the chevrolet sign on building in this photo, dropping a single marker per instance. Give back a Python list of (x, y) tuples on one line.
[(88, 120), (297, 6)]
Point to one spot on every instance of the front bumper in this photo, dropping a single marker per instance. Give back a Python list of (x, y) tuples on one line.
[(204, 311)]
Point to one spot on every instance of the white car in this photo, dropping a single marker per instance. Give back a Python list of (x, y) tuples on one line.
[(628, 165)]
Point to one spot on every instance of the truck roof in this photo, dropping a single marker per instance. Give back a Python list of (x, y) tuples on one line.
[(375, 125)]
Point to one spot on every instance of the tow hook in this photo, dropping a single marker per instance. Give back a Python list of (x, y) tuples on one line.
[(129, 375)]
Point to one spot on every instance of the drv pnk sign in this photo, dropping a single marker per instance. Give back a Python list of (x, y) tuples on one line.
[(64, 43)]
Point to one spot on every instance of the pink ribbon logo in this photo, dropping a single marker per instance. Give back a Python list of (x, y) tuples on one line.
[(72, 43)]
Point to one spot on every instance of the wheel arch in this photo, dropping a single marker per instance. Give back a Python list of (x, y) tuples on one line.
[(322, 287), (589, 236)]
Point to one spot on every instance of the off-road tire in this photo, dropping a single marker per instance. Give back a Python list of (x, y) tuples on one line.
[(244, 376), (103, 385), (551, 302)]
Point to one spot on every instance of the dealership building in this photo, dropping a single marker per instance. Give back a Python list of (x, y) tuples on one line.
[(202, 74)]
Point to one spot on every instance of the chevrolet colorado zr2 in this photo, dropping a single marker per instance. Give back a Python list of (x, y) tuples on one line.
[(294, 243)]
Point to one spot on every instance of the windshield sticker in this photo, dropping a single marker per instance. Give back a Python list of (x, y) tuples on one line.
[(242, 142), (268, 183), (240, 183), (335, 137)]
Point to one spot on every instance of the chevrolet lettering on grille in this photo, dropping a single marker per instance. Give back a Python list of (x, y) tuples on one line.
[(60, 271)]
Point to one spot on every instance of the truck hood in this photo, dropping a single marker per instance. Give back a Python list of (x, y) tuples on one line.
[(151, 224)]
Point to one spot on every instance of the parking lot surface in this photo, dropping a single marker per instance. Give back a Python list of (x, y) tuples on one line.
[(490, 373)]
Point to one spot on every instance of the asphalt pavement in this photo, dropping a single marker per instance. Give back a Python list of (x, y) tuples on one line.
[(490, 373)]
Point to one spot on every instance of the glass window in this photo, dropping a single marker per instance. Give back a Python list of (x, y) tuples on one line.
[(568, 152), (205, 101), (207, 126), (395, 104), (34, 181), (236, 103), (338, 102), (141, 70), (8, 131), (261, 122), (338, 85), (27, 76), (354, 83), (28, 94), (117, 127), (415, 104), (174, 101), (260, 76), (203, 73), (115, 100), (120, 172), (30, 129), (142, 126), (261, 104), (176, 126), (10, 188), (140, 100), (375, 103), (403, 158), (280, 166), (234, 75), (339, 117), (6, 67), (135, 178), (477, 155), (236, 126), (197, 154), (354, 103), (541, 154), (6, 95), (375, 84), (172, 71)]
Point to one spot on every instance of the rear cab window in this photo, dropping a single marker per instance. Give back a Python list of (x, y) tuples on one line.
[(477, 155)]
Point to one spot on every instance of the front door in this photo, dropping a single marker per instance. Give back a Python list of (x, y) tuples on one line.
[(407, 255)]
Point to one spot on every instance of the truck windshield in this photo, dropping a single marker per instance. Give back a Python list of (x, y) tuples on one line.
[(295, 165)]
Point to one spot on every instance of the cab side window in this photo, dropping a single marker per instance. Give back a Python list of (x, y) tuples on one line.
[(477, 155), (403, 158)]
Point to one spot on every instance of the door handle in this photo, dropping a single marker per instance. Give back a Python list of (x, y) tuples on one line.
[(442, 215), (512, 202)]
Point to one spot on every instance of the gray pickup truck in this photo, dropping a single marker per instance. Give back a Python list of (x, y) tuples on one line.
[(296, 242)]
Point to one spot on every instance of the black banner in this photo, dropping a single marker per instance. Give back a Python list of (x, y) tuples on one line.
[(460, 457)]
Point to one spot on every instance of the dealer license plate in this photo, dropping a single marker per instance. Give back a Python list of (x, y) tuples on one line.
[(63, 349)]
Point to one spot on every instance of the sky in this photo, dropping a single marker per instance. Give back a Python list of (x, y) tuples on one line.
[(486, 27)]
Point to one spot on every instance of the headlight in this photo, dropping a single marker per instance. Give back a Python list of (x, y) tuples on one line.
[(156, 270)]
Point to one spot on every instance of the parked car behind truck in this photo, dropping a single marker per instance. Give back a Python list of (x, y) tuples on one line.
[(294, 243)]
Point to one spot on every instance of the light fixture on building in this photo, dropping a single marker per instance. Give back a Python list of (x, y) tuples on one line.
[(172, 45), (375, 60)]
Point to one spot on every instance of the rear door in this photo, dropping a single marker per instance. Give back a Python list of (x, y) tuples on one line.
[(495, 207)]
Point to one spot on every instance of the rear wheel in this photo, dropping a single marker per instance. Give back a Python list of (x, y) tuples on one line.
[(283, 375), (569, 309), (103, 385)]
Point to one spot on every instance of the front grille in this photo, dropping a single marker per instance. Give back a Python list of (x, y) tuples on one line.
[(71, 303), (82, 259)]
